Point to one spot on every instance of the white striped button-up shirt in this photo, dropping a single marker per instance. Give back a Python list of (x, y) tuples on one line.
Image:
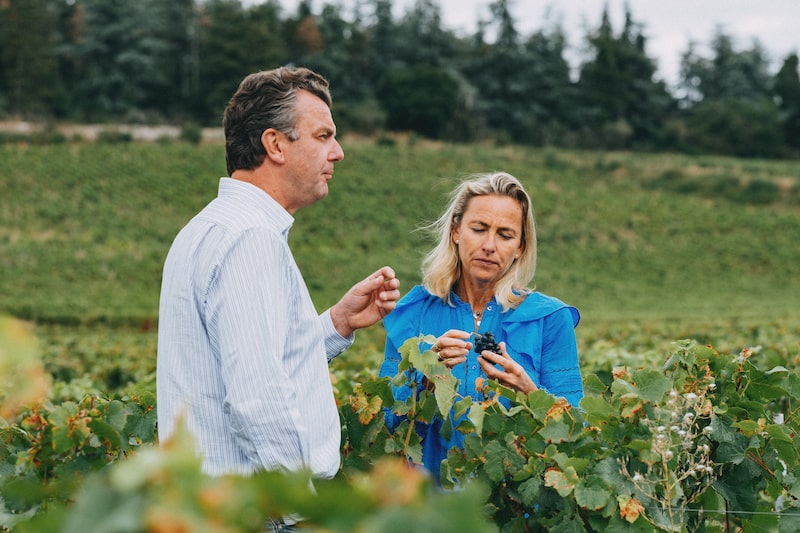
[(242, 354)]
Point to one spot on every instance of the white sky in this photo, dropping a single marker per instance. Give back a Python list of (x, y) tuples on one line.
[(669, 25)]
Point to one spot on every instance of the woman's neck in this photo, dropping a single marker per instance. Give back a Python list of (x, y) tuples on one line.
[(476, 296)]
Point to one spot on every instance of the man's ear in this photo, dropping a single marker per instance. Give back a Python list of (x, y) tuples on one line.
[(273, 142)]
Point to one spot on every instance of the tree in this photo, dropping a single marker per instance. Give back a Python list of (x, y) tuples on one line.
[(728, 101), (497, 72), (787, 91), (233, 42), (172, 32), (28, 70), (126, 60), (735, 127), (552, 92), (727, 74), (419, 98), (421, 37), (383, 43), (620, 98)]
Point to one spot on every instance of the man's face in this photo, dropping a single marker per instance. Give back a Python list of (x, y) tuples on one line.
[(310, 159)]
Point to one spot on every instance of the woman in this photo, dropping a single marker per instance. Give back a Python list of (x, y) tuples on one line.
[(475, 282)]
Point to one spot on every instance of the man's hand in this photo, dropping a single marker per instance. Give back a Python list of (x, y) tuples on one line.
[(366, 302)]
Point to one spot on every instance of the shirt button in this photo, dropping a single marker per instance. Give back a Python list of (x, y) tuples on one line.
[(474, 367)]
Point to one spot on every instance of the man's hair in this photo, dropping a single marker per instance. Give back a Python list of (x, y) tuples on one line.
[(441, 267), (265, 99)]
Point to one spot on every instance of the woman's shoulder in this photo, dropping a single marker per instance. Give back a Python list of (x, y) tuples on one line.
[(407, 308), (416, 294), (537, 305)]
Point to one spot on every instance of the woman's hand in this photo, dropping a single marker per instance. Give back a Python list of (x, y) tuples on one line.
[(453, 347), (512, 375)]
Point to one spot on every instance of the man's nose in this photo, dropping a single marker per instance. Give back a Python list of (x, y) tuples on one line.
[(338, 152)]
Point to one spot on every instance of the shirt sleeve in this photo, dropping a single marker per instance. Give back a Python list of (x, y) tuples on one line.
[(335, 344), (561, 374), (247, 319)]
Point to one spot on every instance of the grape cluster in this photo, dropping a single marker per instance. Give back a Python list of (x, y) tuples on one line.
[(486, 342)]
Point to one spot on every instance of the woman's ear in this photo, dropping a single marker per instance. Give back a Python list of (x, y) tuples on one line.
[(272, 141)]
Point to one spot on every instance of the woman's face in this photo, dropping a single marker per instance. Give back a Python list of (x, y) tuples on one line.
[(489, 238)]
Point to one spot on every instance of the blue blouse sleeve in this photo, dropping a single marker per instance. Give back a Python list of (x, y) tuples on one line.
[(540, 335), (561, 373)]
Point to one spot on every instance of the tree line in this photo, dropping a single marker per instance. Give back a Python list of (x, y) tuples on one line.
[(178, 61)]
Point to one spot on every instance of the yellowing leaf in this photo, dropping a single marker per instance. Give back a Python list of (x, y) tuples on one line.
[(630, 508), (557, 411), (563, 482)]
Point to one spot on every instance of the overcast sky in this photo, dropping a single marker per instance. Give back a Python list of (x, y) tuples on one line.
[(669, 25)]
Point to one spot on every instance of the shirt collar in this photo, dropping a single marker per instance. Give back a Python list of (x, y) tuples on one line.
[(258, 199)]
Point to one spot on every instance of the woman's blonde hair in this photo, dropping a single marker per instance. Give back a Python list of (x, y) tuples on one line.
[(441, 267)]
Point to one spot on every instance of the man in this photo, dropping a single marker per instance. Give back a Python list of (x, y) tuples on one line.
[(242, 353)]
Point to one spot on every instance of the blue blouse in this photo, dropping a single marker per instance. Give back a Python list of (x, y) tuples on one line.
[(539, 335)]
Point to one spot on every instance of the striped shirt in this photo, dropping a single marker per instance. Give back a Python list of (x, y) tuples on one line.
[(242, 353)]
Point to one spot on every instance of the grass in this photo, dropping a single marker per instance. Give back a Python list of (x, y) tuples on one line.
[(651, 248)]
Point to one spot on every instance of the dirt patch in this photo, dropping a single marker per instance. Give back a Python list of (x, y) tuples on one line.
[(90, 132)]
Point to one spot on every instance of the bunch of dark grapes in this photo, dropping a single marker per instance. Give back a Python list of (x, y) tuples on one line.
[(486, 342)]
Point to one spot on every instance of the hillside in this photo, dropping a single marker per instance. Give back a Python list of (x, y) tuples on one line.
[(84, 228)]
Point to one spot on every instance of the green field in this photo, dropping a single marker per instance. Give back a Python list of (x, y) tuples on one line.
[(651, 248)]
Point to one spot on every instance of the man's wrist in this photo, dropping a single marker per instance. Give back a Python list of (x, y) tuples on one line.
[(340, 323)]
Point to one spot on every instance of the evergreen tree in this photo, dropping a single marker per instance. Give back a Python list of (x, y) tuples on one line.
[(28, 70), (787, 91), (497, 72), (419, 98), (171, 31), (621, 101), (727, 74), (102, 32), (421, 37), (728, 101), (551, 92), (233, 42), (124, 60)]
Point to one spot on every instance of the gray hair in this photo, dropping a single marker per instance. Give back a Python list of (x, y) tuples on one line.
[(265, 99)]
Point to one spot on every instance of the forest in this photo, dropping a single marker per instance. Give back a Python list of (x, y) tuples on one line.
[(178, 61)]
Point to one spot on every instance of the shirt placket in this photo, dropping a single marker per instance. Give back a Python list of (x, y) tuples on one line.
[(472, 368)]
